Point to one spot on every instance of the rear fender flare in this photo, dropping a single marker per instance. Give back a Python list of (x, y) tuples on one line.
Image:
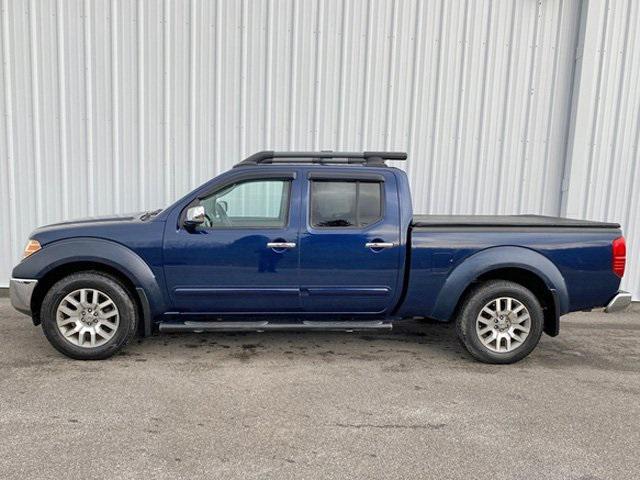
[(497, 258)]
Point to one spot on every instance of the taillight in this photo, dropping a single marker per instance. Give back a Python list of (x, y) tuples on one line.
[(619, 256)]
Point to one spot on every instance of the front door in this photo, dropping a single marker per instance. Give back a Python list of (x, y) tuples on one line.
[(350, 246), (244, 259)]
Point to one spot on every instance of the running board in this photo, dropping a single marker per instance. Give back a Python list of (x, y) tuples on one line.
[(261, 326)]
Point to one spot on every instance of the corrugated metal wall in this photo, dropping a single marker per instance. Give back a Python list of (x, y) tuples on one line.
[(115, 106), (604, 172)]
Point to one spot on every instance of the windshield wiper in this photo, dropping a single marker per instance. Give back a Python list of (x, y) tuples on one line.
[(148, 215)]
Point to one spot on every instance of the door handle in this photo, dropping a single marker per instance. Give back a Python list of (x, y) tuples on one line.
[(281, 245), (378, 245)]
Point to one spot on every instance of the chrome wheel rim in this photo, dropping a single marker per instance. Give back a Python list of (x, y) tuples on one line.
[(87, 318), (503, 324)]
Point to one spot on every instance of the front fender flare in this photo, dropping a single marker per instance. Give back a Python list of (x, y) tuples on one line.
[(496, 258), (101, 251)]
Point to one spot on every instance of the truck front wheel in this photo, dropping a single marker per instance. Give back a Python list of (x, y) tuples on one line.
[(500, 322), (88, 315)]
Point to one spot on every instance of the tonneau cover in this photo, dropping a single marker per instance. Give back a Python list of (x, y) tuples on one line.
[(515, 221)]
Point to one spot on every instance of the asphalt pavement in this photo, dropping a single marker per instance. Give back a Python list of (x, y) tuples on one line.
[(406, 404)]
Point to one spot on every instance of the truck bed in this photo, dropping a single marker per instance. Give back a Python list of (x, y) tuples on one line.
[(504, 221)]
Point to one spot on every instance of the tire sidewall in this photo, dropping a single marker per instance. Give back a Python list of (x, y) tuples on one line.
[(103, 283), (478, 300)]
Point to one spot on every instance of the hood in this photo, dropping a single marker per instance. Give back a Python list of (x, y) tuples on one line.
[(93, 220), (104, 227)]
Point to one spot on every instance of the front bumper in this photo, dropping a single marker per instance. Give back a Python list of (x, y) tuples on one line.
[(619, 302), (20, 291)]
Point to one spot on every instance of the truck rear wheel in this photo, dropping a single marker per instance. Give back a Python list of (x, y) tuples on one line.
[(88, 316), (500, 322)]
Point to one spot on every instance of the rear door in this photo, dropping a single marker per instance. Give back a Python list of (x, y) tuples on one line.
[(349, 242)]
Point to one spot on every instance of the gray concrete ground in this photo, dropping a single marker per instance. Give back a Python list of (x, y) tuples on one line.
[(407, 404)]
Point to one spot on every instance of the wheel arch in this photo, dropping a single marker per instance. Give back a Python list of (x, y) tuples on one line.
[(518, 264), (67, 269), (532, 282), (61, 258)]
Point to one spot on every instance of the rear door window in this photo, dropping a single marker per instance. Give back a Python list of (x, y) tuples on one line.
[(345, 203)]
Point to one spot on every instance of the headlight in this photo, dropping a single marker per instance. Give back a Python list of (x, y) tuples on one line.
[(32, 247)]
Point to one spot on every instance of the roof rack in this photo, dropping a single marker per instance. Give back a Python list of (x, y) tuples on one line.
[(375, 159)]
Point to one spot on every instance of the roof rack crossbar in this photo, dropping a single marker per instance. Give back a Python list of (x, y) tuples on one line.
[(323, 157)]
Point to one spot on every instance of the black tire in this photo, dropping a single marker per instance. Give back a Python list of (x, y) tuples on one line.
[(128, 316), (474, 303)]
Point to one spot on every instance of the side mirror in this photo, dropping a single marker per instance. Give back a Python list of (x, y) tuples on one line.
[(195, 216)]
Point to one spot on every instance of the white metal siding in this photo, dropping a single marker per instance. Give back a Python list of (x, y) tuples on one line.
[(122, 105), (604, 173)]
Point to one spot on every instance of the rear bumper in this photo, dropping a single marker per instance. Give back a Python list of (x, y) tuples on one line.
[(619, 302), (20, 291)]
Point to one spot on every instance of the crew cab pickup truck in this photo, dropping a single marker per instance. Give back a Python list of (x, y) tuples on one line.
[(314, 241)]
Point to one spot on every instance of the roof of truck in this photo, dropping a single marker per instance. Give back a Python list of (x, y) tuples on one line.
[(325, 157)]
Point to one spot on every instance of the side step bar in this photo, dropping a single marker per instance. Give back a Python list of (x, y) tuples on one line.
[(261, 326)]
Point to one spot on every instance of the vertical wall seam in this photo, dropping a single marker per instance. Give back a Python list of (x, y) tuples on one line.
[(62, 106), (115, 107), (218, 88), (551, 113), (166, 95), (616, 116), (630, 225), (481, 117), (431, 161), (193, 174), (523, 171), (344, 31), (35, 103), (453, 190), (569, 134), (268, 73), (11, 159), (317, 82), (508, 86), (634, 172), (88, 85), (390, 76), (594, 119), (367, 81), (415, 69), (141, 114), (243, 79), (293, 78)]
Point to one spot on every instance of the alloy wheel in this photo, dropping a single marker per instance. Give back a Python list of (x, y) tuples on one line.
[(87, 318), (503, 324)]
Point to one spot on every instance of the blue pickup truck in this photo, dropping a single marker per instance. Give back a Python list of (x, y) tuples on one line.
[(314, 241)]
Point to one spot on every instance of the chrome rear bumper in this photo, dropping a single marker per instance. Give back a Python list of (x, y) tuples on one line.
[(619, 302), (20, 291)]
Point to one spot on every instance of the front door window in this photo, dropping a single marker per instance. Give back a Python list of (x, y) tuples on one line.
[(248, 204)]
